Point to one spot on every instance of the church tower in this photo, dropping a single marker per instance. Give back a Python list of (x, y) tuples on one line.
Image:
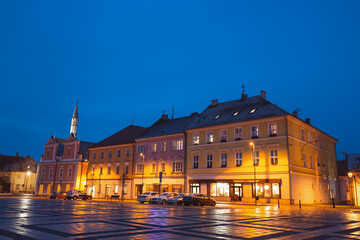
[(74, 121)]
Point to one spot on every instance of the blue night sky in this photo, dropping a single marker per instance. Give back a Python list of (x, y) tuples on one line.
[(145, 56)]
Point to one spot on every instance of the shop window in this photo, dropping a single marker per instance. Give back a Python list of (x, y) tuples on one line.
[(275, 190), (259, 190), (267, 190), (219, 189)]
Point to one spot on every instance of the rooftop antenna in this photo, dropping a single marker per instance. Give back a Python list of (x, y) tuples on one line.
[(243, 95), (133, 116), (173, 112)]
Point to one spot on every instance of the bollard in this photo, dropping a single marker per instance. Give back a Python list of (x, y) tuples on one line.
[(333, 200), (278, 203), (300, 204)]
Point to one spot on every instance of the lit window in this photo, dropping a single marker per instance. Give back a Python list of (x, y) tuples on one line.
[(209, 161), (140, 168), (256, 159), (217, 116), (219, 190), (274, 156), (209, 137), (223, 159), (195, 161), (253, 110), (153, 169), (237, 134), (235, 114), (162, 167), (178, 145), (223, 135), (177, 166), (238, 159), (275, 190), (116, 189), (163, 146), (254, 131), (196, 138), (272, 129), (153, 148)]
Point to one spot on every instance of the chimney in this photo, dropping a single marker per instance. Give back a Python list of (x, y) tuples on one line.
[(17, 154), (307, 120), (263, 94), (164, 116), (214, 102), (194, 113), (295, 113)]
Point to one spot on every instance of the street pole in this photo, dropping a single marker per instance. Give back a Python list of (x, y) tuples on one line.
[(253, 158)]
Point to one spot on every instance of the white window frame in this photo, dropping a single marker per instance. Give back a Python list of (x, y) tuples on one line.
[(256, 133), (209, 137), (256, 159), (138, 168), (223, 159), (302, 133), (163, 146), (196, 138), (238, 159), (178, 145), (223, 135), (69, 173), (196, 160), (272, 132), (238, 136), (209, 160), (163, 167), (177, 166), (153, 167), (274, 156), (141, 148)]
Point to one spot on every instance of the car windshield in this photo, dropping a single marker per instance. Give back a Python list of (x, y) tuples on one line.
[(180, 195), (164, 194), (193, 194), (147, 193)]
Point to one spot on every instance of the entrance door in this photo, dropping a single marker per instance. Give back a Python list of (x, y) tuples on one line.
[(248, 192), (238, 193), (138, 189), (107, 190), (41, 189)]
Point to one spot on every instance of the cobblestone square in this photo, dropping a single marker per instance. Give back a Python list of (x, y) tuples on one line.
[(39, 218)]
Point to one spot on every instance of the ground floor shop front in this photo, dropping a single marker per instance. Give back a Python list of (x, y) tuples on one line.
[(104, 188), (167, 184)]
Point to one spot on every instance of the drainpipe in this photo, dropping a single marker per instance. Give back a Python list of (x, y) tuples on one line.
[(288, 154)]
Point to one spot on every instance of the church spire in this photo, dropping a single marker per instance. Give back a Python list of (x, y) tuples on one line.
[(74, 121)]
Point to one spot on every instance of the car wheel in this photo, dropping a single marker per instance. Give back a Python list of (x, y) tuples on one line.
[(89, 197), (186, 204), (213, 204), (199, 204), (56, 197), (163, 202), (75, 198), (179, 203), (142, 202)]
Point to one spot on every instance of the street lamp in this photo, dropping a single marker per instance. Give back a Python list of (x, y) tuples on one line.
[(351, 175), (28, 173), (142, 178), (252, 144)]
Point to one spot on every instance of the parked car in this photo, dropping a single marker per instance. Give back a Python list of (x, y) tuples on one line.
[(58, 195), (145, 197), (77, 194), (198, 199), (162, 198), (178, 199)]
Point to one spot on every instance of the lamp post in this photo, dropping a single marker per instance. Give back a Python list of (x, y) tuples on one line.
[(56, 160), (142, 178), (351, 175), (254, 164)]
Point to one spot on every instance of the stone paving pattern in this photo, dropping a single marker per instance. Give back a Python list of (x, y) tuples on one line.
[(31, 218)]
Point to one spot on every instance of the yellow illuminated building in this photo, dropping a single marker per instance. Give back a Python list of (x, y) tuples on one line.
[(237, 146)]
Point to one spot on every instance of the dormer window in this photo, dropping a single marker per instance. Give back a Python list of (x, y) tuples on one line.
[(217, 116), (201, 119), (253, 110), (235, 114)]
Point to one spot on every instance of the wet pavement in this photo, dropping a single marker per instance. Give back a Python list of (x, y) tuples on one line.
[(36, 218)]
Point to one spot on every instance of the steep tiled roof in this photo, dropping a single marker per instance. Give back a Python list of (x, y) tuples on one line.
[(17, 163), (169, 126), (237, 111), (126, 135)]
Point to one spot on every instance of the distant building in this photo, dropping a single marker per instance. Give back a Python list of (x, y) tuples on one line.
[(109, 161), (161, 150), (17, 174), (349, 179), (290, 159), (64, 163)]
